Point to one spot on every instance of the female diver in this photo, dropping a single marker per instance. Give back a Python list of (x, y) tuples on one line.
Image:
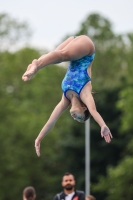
[(76, 85)]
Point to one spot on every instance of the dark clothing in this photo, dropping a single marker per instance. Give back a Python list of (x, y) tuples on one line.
[(79, 195)]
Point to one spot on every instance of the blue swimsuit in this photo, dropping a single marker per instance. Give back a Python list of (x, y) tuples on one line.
[(76, 76)]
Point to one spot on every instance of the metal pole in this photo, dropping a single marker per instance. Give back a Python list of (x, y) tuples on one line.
[(87, 157)]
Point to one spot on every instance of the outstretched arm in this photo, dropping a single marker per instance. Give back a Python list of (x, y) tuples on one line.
[(59, 109), (105, 132)]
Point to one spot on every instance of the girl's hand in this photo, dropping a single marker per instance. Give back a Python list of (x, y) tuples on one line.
[(31, 70), (105, 132), (37, 147)]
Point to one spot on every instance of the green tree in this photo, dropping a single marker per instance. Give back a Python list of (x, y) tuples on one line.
[(109, 74), (126, 97), (118, 184), (12, 32), (25, 107)]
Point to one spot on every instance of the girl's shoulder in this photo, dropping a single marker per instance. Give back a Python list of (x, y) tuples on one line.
[(87, 90)]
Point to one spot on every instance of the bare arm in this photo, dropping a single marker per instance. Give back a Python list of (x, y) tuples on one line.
[(59, 109), (92, 108), (89, 102)]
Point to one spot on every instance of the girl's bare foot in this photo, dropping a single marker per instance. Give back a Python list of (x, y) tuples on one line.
[(31, 71)]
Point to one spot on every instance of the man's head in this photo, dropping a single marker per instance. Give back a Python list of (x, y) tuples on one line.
[(68, 182)]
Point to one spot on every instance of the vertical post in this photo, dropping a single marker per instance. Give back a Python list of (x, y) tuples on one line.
[(87, 157)]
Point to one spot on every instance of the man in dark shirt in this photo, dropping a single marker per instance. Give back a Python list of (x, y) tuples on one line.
[(69, 191)]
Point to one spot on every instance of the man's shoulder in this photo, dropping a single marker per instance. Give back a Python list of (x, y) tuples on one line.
[(62, 195), (79, 195), (59, 195), (79, 191)]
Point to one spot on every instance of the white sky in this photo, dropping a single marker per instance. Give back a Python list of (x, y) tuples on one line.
[(52, 20)]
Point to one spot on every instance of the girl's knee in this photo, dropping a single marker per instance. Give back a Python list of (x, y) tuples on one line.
[(64, 55)]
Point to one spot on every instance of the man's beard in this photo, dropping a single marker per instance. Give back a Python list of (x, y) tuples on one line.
[(69, 187)]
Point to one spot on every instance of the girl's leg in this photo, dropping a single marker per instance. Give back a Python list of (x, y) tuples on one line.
[(74, 50), (79, 47), (47, 59), (66, 42)]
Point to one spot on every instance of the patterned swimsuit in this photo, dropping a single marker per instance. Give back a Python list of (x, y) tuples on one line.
[(76, 76)]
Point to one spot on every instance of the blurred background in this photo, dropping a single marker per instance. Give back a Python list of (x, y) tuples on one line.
[(27, 30)]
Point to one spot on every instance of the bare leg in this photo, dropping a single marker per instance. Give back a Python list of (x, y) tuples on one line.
[(74, 50)]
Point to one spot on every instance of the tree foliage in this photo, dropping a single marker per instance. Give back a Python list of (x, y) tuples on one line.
[(25, 107), (12, 32)]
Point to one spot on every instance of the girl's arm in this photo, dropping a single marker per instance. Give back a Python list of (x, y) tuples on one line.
[(59, 109), (89, 102)]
